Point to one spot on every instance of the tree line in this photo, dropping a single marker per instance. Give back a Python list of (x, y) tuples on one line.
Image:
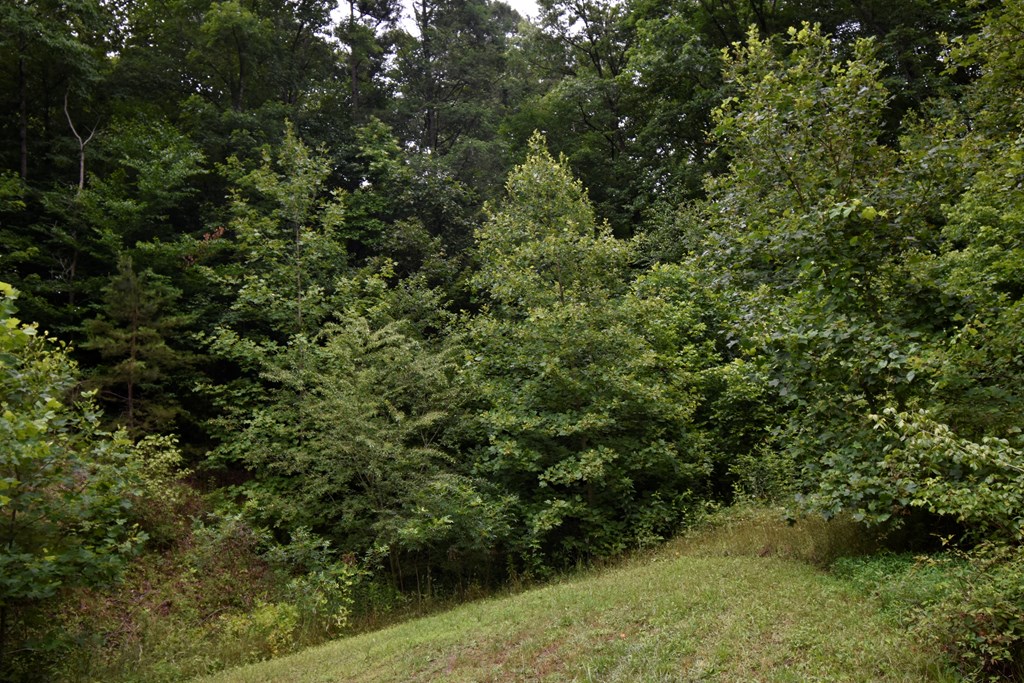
[(495, 297)]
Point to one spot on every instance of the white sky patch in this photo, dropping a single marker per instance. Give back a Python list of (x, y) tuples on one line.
[(527, 8)]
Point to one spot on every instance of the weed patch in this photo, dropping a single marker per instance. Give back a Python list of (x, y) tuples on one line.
[(767, 532)]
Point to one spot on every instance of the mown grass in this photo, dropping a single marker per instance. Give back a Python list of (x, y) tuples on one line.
[(736, 602)]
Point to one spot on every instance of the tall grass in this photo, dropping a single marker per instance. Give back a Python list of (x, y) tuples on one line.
[(752, 531)]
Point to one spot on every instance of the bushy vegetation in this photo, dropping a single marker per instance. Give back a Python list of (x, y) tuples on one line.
[(966, 603), (316, 363)]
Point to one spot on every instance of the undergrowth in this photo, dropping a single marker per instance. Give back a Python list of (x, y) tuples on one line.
[(968, 603), (222, 593), (768, 532)]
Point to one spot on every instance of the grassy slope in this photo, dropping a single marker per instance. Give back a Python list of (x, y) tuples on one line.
[(676, 616)]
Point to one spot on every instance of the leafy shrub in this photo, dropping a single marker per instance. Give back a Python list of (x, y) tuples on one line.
[(220, 540), (323, 598), (304, 552), (764, 476), (587, 392), (266, 631), (160, 492), (224, 594), (63, 485), (909, 461), (967, 603), (981, 621), (929, 466)]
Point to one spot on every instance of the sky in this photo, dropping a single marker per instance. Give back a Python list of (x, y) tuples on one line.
[(527, 8)]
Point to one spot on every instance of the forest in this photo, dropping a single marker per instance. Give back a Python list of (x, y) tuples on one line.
[(313, 310)]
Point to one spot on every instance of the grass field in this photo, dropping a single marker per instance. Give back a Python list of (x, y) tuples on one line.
[(739, 603)]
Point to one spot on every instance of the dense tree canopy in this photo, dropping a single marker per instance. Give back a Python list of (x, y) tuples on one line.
[(460, 297)]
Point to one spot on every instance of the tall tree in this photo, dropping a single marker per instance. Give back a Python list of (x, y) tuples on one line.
[(587, 389), (348, 439), (673, 82), (290, 245), (585, 113), (811, 227), (283, 269), (979, 269), (368, 31), (450, 73), (48, 52), (132, 335)]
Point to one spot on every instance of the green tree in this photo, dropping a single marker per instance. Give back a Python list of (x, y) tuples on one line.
[(452, 95), (815, 232), (278, 269), (585, 110), (289, 241), (64, 490), (674, 71), (352, 447), (960, 454), (545, 246), (449, 75), (408, 210), (146, 183), (368, 33), (131, 335), (228, 74), (49, 52), (880, 330), (346, 435), (586, 387)]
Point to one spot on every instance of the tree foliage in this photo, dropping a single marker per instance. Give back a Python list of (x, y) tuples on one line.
[(587, 389), (135, 328), (777, 250), (64, 491)]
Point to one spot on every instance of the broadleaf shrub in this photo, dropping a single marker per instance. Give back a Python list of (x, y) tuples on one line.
[(981, 484), (981, 622)]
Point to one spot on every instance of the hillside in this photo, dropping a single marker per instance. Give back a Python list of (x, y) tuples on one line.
[(672, 616)]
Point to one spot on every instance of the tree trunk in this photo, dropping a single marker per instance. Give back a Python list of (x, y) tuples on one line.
[(435, 128), (3, 635), (72, 269), (133, 353), (353, 62), (238, 88), (81, 145), (23, 116), (424, 19)]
